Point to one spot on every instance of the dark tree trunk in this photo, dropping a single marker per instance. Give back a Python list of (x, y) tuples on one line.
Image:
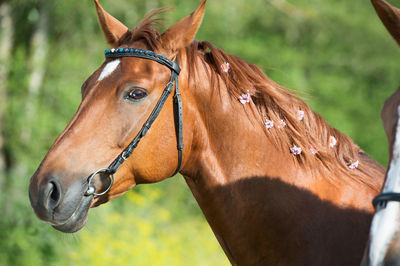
[(6, 37), (37, 64)]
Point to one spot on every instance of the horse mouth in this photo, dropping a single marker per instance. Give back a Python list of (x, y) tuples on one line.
[(78, 218)]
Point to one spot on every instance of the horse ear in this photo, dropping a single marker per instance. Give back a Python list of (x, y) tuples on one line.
[(390, 17), (112, 28), (182, 33)]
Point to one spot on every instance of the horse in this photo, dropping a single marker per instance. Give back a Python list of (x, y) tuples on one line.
[(276, 183), (384, 242)]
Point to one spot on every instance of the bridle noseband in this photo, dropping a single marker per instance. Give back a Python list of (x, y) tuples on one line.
[(175, 70), (383, 198)]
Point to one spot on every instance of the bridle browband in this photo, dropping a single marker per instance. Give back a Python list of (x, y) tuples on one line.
[(175, 70)]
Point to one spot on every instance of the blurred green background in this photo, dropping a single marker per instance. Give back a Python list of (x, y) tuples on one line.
[(335, 52)]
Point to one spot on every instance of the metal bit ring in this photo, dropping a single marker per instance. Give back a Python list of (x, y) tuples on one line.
[(92, 189)]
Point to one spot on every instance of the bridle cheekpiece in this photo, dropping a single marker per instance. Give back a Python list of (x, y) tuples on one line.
[(124, 155)]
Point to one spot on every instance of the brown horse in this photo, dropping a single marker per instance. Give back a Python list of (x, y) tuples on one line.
[(384, 244), (276, 183)]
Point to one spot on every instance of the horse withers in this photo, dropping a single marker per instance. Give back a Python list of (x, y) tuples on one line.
[(276, 183)]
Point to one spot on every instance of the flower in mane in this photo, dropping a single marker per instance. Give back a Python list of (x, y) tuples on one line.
[(354, 165), (269, 124), (332, 141), (225, 67), (300, 114), (281, 124), (245, 98), (295, 150), (313, 151)]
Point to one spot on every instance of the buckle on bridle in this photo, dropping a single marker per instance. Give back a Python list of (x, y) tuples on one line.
[(124, 155)]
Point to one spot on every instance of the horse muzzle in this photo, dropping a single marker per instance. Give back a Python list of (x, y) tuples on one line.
[(64, 206)]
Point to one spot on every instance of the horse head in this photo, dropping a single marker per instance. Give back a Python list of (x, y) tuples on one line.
[(116, 101), (390, 16), (384, 244)]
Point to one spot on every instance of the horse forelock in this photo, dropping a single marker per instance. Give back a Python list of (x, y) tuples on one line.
[(146, 31), (273, 102)]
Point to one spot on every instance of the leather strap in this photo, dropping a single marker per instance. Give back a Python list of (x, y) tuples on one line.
[(385, 197), (178, 113), (145, 54)]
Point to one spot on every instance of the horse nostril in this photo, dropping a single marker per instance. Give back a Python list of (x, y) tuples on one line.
[(54, 196), (45, 197)]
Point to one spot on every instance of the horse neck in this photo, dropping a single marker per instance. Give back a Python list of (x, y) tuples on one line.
[(230, 144), (252, 193)]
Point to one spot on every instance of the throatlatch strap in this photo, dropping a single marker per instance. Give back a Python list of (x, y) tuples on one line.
[(178, 124)]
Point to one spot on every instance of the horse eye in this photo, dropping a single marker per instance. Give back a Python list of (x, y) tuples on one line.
[(136, 94)]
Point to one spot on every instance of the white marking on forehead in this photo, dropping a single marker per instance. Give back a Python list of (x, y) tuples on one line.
[(385, 222), (108, 69)]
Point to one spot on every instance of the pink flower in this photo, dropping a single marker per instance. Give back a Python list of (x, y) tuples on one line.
[(300, 114), (313, 151), (332, 141), (295, 150), (225, 67), (354, 165), (245, 98), (269, 124), (281, 124)]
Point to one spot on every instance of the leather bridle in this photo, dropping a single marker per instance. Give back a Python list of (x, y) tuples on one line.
[(124, 155), (383, 198)]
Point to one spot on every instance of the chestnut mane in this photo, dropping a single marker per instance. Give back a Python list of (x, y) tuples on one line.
[(273, 102)]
